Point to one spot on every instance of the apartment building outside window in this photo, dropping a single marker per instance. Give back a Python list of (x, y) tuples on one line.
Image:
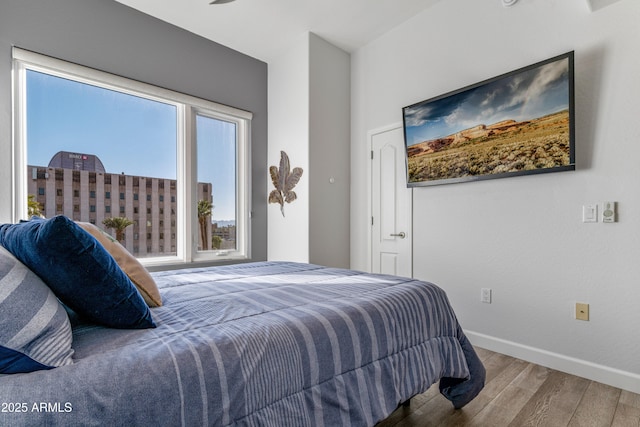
[(82, 135)]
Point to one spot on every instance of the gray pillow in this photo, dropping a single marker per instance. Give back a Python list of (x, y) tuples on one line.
[(35, 332)]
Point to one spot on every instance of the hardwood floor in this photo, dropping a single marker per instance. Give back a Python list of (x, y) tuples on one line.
[(518, 393)]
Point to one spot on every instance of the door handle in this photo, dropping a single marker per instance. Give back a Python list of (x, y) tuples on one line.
[(401, 235)]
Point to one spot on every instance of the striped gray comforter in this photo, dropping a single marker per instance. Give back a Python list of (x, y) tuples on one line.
[(262, 344)]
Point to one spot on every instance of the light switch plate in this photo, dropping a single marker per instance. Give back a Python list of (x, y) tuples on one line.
[(590, 213), (485, 295)]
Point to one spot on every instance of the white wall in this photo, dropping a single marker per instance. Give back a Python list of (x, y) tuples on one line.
[(288, 235), (309, 86), (522, 237)]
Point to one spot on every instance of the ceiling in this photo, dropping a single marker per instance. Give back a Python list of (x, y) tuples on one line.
[(262, 28)]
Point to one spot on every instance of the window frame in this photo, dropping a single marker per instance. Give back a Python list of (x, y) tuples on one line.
[(187, 108)]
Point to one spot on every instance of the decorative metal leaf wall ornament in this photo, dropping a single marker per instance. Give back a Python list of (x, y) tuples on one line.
[(284, 180)]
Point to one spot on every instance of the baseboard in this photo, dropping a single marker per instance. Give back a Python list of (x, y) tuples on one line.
[(592, 371)]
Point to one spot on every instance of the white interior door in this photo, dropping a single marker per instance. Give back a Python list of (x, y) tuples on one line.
[(391, 205)]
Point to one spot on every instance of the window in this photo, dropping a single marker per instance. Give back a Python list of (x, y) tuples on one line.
[(216, 146), (92, 128)]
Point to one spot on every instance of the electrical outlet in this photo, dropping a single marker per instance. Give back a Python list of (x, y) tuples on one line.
[(582, 311), (485, 295)]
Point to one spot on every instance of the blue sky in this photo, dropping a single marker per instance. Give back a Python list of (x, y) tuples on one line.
[(523, 96), (129, 134)]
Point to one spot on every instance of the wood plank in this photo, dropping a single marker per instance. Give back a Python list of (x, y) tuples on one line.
[(554, 403), (630, 399), (438, 411), (500, 373), (518, 394), (482, 403), (509, 369), (508, 403), (483, 354), (495, 364), (626, 416), (597, 407)]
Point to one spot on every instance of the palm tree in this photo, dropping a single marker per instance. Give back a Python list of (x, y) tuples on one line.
[(118, 223), (216, 242), (33, 207), (204, 211)]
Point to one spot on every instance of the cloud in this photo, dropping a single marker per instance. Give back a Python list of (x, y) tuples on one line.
[(528, 94), (417, 116)]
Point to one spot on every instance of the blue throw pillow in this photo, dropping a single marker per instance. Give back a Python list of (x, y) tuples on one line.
[(78, 270), (34, 329)]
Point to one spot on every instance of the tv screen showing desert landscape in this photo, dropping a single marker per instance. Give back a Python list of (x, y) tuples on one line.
[(515, 124)]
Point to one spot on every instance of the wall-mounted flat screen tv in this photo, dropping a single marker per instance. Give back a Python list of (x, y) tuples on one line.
[(518, 123)]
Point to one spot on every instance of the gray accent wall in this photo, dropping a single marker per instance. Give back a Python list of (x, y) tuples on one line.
[(112, 37), (329, 156)]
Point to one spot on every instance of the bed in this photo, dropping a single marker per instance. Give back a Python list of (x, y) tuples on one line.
[(265, 344)]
